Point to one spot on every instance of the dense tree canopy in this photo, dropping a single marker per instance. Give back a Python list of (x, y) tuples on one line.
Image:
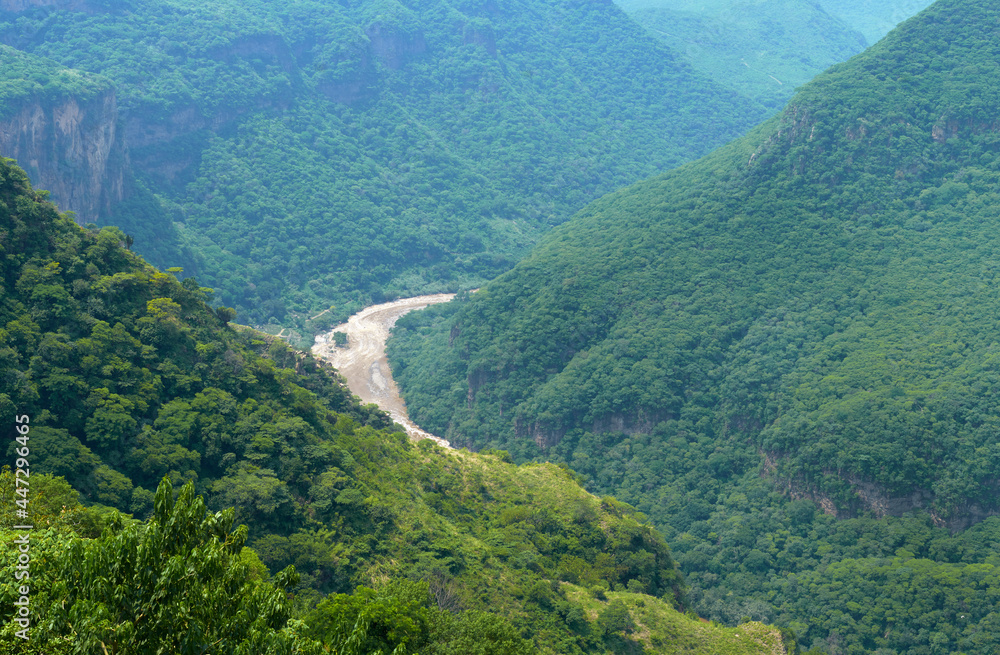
[(813, 304), (25, 77), (127, 384)]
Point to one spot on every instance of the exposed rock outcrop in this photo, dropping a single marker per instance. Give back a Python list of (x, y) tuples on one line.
[(155, 139), (548, 433), (72, 147), (873, 499), (353, 87), (393, 46), (269, 48), (480, 33)]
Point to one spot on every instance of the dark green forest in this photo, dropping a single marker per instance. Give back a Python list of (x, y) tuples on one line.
[(321, 153), (199, 487), (783, 353), (779, 357)]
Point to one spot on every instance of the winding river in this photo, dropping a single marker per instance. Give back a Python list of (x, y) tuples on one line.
[(363, 363)]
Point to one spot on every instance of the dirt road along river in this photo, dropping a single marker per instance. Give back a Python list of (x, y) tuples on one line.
[(363, 361)]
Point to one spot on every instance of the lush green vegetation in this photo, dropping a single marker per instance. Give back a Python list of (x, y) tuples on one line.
[(24, 77), (804, 318), (133, 385), (320, 153), (183, 581), (661, 630)]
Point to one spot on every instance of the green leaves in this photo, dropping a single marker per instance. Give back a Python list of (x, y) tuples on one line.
[(175, 584), (111, 419), (398, 620), (272, 436), (31, 78), (615, 618)]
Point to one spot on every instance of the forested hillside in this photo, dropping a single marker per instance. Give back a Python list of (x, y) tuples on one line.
[(322, 152), (797, 328), (124, 385), (28, 78)]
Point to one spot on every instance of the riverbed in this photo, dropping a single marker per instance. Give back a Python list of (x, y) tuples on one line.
[(363, 363)]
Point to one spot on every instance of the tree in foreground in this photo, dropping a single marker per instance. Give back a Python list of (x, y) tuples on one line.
[(399, 619), (176, 584)]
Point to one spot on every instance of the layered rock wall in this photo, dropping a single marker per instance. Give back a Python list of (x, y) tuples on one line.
[(73, 147)]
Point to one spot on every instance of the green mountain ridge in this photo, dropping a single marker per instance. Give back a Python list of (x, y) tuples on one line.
[(802, 318), (764, 50), (873, 19), (121, 380), (817, 165)]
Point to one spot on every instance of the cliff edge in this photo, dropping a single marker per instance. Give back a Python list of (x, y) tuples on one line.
[(62, 127)]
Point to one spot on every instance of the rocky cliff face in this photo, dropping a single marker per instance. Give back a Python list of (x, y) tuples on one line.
[(73, 148), (394, 46), (168, 146), (480, 32)]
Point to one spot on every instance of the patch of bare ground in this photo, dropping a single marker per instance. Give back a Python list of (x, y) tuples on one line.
[(363, 363)]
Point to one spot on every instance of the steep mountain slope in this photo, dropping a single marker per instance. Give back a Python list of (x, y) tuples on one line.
[(764, 50), (859, 209), (62, 125), (814, 304), (121, 379), (322, 152)]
